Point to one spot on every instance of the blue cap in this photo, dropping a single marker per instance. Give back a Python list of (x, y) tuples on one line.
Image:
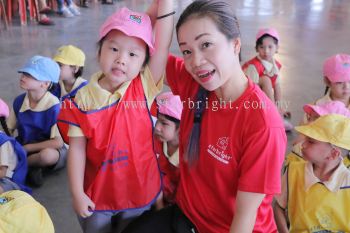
[(42, 69)]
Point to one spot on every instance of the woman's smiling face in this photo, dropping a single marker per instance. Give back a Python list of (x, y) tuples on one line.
[(208, 54)]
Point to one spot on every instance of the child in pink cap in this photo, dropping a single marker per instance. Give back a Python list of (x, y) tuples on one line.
[(336, 76), (112, 167), (264, 69), (166, 144), (313, 112), (13, 158)]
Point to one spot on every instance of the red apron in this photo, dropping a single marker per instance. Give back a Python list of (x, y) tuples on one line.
[(260, 68), (121, 170), (170, 173)]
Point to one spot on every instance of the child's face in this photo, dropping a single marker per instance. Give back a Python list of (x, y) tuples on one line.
[(339, 90), (267, 49), (208, 55), (67, 72), (29, 83), (165, 130), (121, 57), (316, 151)]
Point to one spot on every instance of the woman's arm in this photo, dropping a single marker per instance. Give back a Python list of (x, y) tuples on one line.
[(76, 168), (247, 205), (163, 35)]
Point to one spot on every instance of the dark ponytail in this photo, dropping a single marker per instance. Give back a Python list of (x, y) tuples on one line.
[(4, 126), (192, 150)]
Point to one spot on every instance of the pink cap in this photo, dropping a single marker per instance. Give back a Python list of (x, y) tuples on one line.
[(130, 23), (269, 31), (169, 104), (331, 107), (337, 68), (4, 109)]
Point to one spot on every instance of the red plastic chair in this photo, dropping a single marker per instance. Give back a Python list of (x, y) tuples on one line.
[(3, 13), (33, 10)]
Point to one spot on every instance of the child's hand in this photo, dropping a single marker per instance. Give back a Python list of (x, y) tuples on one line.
[(83, 205)]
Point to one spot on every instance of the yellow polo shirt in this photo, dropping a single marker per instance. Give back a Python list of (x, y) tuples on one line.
[(78, 81)]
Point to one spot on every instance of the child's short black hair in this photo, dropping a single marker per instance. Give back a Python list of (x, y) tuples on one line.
[(170, 118), (261, 39)]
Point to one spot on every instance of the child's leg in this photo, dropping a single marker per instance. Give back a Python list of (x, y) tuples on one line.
[(45, 158), (266, 85), (122, 219), (168, 220), (98, 222)]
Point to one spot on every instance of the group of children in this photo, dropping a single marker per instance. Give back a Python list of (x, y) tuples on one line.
[(120, 165), (315, 182)]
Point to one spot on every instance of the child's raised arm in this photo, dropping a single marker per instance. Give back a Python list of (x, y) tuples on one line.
[(163, 34)]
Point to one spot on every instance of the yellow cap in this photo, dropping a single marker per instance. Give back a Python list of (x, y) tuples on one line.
[(333, 128), (19, 212), (70, 55)]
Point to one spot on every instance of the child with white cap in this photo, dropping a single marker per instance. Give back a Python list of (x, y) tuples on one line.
[(13, 160), (112, 168), (316, 192), (71, 60), (166, 144), (336, 72), (313, 112), (264, 69), (34, 116)]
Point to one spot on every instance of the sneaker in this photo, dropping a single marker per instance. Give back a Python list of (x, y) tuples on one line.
[(65, 12), (35, 177), (74, 9)]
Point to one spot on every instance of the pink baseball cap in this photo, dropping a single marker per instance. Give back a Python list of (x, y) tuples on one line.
[(337, 68), (268, 31), (331, 107), (130, 23), (169, 104), (4, 109)]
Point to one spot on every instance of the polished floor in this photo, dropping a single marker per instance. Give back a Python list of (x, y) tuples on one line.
[(310, 31)]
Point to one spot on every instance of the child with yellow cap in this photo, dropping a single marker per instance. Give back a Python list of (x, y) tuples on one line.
[(71, 60), (316, 192), (19, 212), (313, 112)]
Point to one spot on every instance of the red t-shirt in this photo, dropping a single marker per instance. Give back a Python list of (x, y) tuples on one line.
[(242, 148)]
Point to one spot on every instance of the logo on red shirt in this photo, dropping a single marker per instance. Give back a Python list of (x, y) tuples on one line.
[(218, 151)]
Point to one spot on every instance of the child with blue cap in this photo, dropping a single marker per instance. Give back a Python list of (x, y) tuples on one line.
[(34, 115)]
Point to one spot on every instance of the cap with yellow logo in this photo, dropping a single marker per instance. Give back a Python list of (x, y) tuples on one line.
[(70, 55), (333, 128)]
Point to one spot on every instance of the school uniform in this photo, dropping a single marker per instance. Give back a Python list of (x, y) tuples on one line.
[(61, 93), (313, 205), (13, 156), (37, 124), (169, 166), (121, 172), (257, 67)]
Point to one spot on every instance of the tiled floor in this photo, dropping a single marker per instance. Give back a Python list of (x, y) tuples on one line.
[(310, 30)]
